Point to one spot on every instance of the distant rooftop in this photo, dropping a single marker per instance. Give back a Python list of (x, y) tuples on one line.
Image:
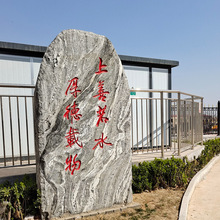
[(38, 51)]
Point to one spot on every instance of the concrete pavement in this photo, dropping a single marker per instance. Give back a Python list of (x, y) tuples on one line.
[(205, 200), (149, 156), (13, 173)]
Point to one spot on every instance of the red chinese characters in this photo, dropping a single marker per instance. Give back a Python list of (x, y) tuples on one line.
[(73, 112), (101, 142), (73, 87), (71, 138), (100, 67), (72, 166), (101, 112), (101, 92)]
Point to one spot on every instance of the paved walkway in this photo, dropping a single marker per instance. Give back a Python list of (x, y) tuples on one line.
[(205, 201), (149, 156), (13, 173)]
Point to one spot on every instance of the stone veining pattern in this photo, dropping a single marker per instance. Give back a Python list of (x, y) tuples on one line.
[(104, 178)]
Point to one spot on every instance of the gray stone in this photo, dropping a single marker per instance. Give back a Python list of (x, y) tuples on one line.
[(104, 177)]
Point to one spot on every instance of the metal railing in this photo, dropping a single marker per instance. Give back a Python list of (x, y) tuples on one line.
[(210, 120), (16, 125), (165, 120), (161, 121)]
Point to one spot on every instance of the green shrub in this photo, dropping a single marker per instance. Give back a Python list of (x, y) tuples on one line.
[(141, 177), (21, 198), (172, 172), (158, 173)]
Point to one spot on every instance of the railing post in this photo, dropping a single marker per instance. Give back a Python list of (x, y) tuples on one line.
[(218, 118), (178, 125), (192, 122), (151, 125), (162, 122), (137, 123), (3, 130), (184, 119), (202, 119), (132, 136)]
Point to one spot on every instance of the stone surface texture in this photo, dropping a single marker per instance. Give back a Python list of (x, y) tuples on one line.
[(104, 177)]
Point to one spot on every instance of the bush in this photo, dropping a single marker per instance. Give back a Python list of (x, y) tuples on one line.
[(19, 199), (22, 198), (172, 172), (158, 173)]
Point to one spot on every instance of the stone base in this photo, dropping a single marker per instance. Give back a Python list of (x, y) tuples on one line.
[(115, 208)]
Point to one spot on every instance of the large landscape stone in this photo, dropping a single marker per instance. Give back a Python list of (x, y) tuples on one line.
[(82, 126)]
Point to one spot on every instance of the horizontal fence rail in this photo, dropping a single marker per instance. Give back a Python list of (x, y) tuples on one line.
[(161, 120)]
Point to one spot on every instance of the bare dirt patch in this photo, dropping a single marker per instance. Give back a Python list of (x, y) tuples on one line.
[(155, 205)]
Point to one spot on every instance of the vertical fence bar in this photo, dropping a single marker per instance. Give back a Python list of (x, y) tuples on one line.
[(218, 118), (137, 122), (147, 125), (170, 126), (184, 119), (142, 127), (176, 130), (174, 124), (178, 125), (19, 132), (202, 120), (3, 132), (212, 115), (33, 109), (162, 122), (166, 121), (152, 124), (132, 141), (28, 147), (156, 128), (12, 144), (192, 122)]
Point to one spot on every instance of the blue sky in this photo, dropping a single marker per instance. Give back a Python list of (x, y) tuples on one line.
[(187, 31)]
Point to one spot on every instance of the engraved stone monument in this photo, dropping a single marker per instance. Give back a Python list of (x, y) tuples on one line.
[(82, 126)]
